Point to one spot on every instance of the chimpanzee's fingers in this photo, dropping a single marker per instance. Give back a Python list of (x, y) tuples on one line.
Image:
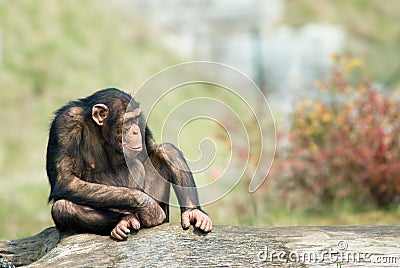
[(209, 226), (122, 233), (115, 235), (125, 230), (185, 219), (134, 222), (199, 220), (204, 224)]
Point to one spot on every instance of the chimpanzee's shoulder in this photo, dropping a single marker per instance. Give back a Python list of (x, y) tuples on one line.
[(68, 120)]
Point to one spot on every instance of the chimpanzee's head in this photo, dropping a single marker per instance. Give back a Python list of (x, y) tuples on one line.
[(120, 119)]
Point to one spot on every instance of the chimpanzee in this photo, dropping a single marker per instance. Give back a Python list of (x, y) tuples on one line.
[(93, 144)]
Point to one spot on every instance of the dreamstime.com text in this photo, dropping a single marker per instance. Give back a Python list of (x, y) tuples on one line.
[(341, 255)]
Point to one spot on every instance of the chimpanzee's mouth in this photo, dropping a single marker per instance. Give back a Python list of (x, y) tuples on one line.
[(135, 149)]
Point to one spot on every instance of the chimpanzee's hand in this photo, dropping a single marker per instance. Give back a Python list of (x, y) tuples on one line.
[(198, 218), (152, 214)]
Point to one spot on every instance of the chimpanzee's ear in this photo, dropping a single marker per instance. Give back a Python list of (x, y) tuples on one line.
[(99, 113)]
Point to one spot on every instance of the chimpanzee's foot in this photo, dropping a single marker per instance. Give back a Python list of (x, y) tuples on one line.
[(124, 227)]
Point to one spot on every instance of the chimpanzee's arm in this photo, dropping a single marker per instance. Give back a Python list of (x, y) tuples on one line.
[(68, 186), (72, 143)]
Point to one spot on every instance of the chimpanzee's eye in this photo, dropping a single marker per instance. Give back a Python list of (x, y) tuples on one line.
[(127, 124)]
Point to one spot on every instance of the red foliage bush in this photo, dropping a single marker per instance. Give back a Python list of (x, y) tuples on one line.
[(344, 148)]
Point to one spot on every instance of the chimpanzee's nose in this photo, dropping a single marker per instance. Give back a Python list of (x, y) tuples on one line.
[(135, 129)]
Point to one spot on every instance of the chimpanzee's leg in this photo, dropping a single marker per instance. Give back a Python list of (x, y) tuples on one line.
[(157, 183), (70, 216)]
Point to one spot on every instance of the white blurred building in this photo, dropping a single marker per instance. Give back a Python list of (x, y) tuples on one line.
[(248, 35)]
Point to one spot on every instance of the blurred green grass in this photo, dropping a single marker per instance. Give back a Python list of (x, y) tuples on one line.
[(23, 209), (54, 52)]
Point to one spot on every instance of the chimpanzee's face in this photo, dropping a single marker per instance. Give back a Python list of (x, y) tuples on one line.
[(132, 130)]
